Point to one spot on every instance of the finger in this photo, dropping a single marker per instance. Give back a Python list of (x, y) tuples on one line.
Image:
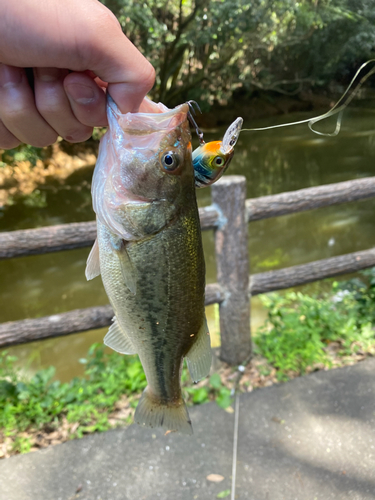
[(18, 111), (129, 80), (128, 73), (87, 99), (7, 139), (54, 106)]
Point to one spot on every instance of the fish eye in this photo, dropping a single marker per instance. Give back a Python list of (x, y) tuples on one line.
[(170, 161), (218, 161)]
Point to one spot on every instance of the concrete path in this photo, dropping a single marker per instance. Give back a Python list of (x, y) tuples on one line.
[(310, 439)]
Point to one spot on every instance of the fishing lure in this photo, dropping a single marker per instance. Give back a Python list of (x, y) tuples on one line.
[(211, 159)]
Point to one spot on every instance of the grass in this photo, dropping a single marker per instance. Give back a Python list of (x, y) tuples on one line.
[(302, 334), (41, 401), (84, 405)]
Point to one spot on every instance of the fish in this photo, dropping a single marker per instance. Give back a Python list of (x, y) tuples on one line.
[(150, 256), (211, 159)]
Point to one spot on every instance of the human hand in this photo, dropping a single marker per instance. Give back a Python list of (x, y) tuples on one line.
[(76, 50)]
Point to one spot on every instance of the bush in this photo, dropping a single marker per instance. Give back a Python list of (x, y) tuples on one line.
[(300, 328)]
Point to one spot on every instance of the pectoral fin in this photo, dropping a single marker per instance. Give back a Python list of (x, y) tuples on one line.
[(127, 269), (199, 357), (118, 340), (93, 263)]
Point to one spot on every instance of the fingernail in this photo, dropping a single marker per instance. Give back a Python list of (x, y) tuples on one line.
[(47, 74), (81, 94), (10, 76)]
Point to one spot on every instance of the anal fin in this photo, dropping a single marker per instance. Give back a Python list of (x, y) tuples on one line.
[(118, 340), (199, 358), (93, 263)]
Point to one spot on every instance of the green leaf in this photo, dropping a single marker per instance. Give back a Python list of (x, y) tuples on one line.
[(224, 398), (223, 494), (215, 381), (200, 395)]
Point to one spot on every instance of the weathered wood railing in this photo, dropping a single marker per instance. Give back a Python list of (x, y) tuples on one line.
[(228, 216)]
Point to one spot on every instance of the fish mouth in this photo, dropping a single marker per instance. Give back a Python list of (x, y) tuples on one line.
[(143, 132), (153, 118)]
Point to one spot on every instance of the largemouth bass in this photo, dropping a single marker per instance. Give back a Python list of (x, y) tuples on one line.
[(149, 254)]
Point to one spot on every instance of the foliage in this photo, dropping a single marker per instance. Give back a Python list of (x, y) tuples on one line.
[(23, 152), (300, 328), (87, 401), (209, 49), (43, 402), (363, 290), (203, 393)]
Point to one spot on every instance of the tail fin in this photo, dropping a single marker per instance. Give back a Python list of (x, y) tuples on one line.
[(150, 413)]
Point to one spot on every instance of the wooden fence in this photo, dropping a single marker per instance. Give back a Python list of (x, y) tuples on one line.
[(228, 216)]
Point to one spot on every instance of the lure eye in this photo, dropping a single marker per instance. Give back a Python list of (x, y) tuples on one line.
[(170, 161), (219, 161)]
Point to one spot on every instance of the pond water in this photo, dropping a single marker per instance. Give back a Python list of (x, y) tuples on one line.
[(273, 161)]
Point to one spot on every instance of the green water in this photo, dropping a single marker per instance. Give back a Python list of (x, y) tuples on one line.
[(273, 162)]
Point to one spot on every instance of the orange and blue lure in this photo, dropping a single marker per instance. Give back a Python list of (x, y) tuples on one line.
[(211, 159)]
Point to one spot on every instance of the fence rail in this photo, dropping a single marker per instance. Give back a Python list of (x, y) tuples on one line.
[(228, 217), (68, 236), (81, 320), (82, 234), (291, 202)]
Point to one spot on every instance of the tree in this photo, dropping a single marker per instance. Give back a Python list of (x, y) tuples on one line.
[(206, 49)]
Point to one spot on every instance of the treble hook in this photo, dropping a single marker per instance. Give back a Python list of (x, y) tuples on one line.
[(193, 122)]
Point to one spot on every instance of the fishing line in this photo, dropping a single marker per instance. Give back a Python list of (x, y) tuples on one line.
[(338, 108), (234, 391), (235, 442)]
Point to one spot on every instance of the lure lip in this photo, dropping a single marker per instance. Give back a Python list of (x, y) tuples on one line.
[(231, 136)]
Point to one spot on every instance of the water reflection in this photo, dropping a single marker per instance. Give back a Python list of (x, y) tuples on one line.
[(272, 161)]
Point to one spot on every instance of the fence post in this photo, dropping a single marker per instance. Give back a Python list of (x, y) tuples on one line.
[(232, 260)]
